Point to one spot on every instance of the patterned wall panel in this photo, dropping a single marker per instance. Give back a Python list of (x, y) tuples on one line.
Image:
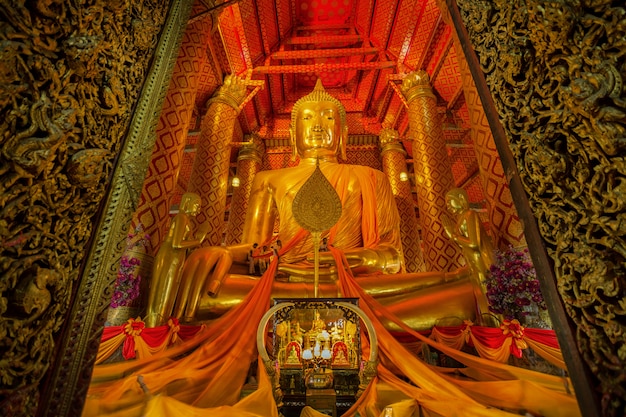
[(364, 16), (314, 12), (448, 80), (407, 17), (438, 50), (382, 22), (368, 156), (220, 52), (463, 115), (268, 24), (284, 18), (251, 30), (355, 124), (464, 164), (381, 95), (504, 221), (230, 31), (421, 37), (160, 183)]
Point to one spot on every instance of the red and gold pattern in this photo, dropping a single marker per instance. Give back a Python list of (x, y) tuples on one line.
[(174, 124), (503, 220)]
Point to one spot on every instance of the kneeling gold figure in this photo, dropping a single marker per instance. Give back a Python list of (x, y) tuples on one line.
[(367, 231)]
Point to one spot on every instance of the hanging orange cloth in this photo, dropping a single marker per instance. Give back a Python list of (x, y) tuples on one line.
[(520, 389), (205, 375), (208, 371)]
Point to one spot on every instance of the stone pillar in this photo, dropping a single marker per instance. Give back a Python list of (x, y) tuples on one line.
[(248, 164), (393, 158), (504, 223), (433, 173), (209, 174)]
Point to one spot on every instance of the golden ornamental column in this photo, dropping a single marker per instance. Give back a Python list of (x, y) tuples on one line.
[(433, 173), (209, 173), (505, 225), (248, 164), (393, 158)]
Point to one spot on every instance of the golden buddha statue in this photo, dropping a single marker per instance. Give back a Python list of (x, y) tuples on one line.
[(367, 232), (170, 259)]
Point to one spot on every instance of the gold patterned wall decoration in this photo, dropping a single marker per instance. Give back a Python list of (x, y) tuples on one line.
[(67, 93), (555, 71), (153, 211)]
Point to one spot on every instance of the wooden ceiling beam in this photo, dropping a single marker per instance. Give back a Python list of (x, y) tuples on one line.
[(325, 27), (322, 67), (303, 40), (323, 53)]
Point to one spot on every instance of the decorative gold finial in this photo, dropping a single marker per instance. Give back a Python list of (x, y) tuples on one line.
[(316, 207)]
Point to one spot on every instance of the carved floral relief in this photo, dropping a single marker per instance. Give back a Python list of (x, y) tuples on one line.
[(70, 74), (555, 70)]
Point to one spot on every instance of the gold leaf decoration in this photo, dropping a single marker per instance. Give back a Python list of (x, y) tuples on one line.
[(316, 206)]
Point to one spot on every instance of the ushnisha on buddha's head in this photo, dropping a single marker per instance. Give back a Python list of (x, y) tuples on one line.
[(318, 126)]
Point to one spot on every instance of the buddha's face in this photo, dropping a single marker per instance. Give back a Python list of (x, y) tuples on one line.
[(318, 130), (191, 205), (455, 203)]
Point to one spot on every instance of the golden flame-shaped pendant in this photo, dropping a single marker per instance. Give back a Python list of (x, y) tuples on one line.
[(317, 206)]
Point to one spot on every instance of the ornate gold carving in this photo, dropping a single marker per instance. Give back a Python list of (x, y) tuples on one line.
[(555, 72), (316, 206), (69, 77), (232, 92)]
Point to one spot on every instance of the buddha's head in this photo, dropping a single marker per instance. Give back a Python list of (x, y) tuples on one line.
[(457, 200), (318, 125), (190, 203)]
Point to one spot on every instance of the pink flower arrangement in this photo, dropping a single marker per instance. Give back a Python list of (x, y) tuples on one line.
[(128, 279), (512, 284)]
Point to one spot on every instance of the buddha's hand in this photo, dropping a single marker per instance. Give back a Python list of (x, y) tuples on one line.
[(385, 259), (207, 267), (448, 225)]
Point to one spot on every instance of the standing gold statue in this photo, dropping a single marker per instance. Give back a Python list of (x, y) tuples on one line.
[(367, 231), (169, 261), (468, 232)]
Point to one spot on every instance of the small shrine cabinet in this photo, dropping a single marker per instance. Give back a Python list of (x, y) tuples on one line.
[(317, 346)]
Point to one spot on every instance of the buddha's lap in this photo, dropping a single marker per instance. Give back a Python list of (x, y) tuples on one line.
[(423, 300)]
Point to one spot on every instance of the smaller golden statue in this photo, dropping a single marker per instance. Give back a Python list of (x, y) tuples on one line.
[(169, 261), (468, 232)]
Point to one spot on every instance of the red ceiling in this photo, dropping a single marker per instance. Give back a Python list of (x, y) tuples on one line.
[(354, 46)]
